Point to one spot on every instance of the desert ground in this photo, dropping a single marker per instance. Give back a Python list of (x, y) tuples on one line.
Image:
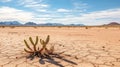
[(87, 47)]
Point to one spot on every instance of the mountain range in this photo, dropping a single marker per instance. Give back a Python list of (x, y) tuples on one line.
[(16, 23)]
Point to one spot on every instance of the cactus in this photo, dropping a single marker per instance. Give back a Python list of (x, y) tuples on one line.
[(36, 51), (27, 45), (43, 52), (34, 45), (44, 43)]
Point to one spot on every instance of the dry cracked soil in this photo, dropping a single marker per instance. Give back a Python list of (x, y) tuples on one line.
[(92, 47)]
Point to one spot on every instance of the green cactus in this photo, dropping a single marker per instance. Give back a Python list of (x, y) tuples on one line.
[(34, 43), (27, 45), (43, 52), (44, 49), (36, 50), (44, 43)]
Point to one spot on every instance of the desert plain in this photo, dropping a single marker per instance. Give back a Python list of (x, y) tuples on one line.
[(87, 47)]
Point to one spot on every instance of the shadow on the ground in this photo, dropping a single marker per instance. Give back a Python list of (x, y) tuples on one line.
[(53, 61)]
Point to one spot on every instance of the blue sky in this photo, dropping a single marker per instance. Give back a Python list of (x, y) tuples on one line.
[(88, 12)]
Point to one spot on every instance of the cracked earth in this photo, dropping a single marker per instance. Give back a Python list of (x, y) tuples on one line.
[(92, 47)]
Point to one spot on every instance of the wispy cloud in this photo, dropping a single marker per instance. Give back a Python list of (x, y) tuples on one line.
[(5, 0), (12, 14), (36, 5), (110, 13), (41, 10), (62, 10), (93, 18), (79, 6)]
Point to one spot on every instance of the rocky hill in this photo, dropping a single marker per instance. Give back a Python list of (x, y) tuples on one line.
[(114, 23)]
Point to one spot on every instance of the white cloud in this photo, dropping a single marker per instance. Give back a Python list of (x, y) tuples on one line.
[(111, 13), (100, 17), (41, 10), (93, 18), (79, 6), (40, 20), (5, 0), (33, 4), (12, 14), (62, 10)]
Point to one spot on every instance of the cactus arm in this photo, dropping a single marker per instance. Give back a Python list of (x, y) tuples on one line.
[(45, 42), (47, 39), (31, 40), (34, 44), (36, 40), (42, 42), (27, 45), (27, 51)]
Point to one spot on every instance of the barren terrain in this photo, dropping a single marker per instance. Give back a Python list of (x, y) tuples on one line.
[(92, 47)]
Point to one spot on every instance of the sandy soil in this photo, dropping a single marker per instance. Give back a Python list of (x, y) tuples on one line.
[(92, 47)]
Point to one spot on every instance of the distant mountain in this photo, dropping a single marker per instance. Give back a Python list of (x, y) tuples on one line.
[(51, 24), (30, 24), (10, 23), (113, 23), (76, 25), (16, 23), (60, 24)]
